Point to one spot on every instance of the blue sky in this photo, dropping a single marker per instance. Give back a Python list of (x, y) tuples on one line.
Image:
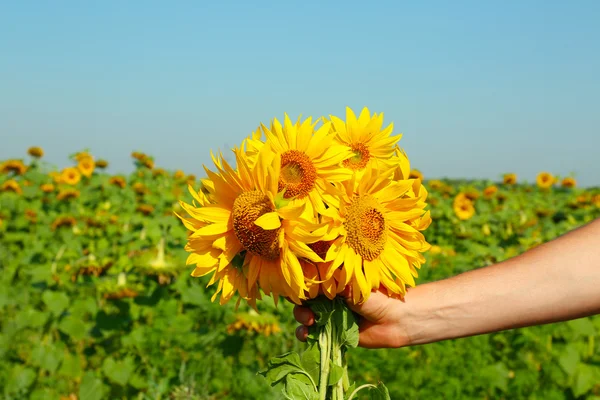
[(478, 88)]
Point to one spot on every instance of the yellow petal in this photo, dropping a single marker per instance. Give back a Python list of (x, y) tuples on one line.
[(269, 221)]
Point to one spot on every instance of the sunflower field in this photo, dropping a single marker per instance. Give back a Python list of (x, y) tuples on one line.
[(96, 300)]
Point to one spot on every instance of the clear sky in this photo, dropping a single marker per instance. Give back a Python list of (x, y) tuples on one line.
[(478, 88)]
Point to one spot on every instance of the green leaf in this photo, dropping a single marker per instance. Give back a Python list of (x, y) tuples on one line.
[(582, 327), (379, 393), (496, 376), (569, 358), (311, 361), (298, 390), (73, 327), (346, 325), (20, 380), (118, 371), (335, 373), (585, 379), (56, 302), (279, 367), (91, 387)]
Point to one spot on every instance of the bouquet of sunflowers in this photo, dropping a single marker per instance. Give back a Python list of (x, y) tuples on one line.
[(309, 209)]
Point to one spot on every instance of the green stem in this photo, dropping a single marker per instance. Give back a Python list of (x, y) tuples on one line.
[(336, 358), (324, 347), (358, 389)]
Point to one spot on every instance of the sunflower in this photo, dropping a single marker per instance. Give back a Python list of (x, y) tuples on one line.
[(102, 164), (509, 179), (376, 233), (148, 162), (47, 188), (490, 191), (11, 186), (416, 174), (86, 166), (569, 182), (471, 194), (310, 160), (364, 138), (31, 216), (36, 152), (63, 221), (179, 174), (70, 176), (545, 180), (251, 146), (245, 234), (117, 181), (139, 188), (435, 184), (596, 200), (15, 166), (82, 155), (463, 207), (67, 194), (145, 209)]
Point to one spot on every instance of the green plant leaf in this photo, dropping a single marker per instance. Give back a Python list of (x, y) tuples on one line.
[(56, 302), (297, 390), (380, 392), (91, 387), (73, 327), (569, 358), (118, 371), (311, 361), (336, 373)]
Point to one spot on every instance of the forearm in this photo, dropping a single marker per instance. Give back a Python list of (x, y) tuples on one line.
[(554, 282)]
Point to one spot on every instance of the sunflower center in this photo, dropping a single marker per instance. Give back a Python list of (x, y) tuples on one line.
[(360, 157), (247, 208), (366, 227), (321, 247), (298, 174)]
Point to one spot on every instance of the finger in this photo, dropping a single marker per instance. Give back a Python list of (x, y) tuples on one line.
[(302, 333), (304, 315)]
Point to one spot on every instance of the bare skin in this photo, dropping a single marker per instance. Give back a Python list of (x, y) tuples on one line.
[(554, 282)]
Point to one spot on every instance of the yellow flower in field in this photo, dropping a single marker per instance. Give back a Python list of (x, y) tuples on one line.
[(70, 176), (139, 188), (67, 194), (138, 156), (463, 207), (569, 182), (435, 184), (191, 179), (471, 194), (47, 188), (179, 174), (145, 209), (364, 138), (117, 181), (83, 155), (86, 166), (63, 221), (376, 233), (435, 249), (31, 216), (148, 162), (545, 180), (490, 191), (36, 152), (596, 200), (510, 179), (310, 160), (15, 166), (416, 174), (159, 172), (102, 164), (11, 186), (243, 235)]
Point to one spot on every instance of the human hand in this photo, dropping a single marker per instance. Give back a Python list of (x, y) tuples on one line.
[(380, 321)]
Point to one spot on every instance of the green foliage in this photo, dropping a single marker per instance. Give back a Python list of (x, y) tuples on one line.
[(96, 302)]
